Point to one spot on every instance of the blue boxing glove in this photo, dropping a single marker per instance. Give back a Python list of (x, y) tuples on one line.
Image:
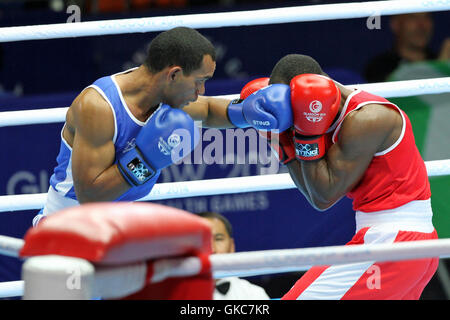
[(268, 108), (169, 135)]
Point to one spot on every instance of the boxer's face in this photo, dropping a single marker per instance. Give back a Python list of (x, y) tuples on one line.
[(221, 241), (186, 88)]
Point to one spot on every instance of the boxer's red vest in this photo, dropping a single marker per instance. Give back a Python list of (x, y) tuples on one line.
[(395, 176)]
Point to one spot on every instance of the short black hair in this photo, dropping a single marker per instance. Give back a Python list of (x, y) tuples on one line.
[(216, 215), (292, 65), (180, 46)]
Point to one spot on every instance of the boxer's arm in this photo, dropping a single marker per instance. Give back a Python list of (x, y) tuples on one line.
[(211, 111), (295, 171), (364, 132), (93, 152)]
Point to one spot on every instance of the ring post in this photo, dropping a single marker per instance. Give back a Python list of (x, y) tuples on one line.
[(53, 277)]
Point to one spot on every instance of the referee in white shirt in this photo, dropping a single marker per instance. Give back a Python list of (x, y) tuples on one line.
[(222, 242)]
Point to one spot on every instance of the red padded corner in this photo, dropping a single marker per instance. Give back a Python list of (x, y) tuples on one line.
[(117, 233)]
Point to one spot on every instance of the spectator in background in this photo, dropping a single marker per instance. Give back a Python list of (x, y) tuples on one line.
[(232, 288), (412, 36)]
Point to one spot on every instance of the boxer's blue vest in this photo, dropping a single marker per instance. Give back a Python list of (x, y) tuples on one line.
[(126, 129)]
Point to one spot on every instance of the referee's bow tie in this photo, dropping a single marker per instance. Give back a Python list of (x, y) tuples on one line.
[(223, 287)]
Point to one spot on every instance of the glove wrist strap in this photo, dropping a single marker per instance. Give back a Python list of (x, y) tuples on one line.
[(133, 167), (309, 148)]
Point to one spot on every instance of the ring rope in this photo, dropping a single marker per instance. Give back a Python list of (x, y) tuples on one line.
[(242, 264), (198, 188), (11, 289), (223, 19), (386, 89), (10, 246)]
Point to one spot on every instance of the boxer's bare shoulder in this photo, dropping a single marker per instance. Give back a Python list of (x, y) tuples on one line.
[(89, 110), (373, 125)]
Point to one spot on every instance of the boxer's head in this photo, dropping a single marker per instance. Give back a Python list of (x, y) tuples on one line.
[(184, 59), (222, 232), (292, 65), (181, 46)]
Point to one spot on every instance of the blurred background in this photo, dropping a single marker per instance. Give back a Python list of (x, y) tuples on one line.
[(50, 73)]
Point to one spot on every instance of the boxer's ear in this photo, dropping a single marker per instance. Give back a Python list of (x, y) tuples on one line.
[(174, 73)]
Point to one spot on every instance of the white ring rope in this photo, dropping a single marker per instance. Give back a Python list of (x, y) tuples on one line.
[(386, 89), (243, 264), (224, 19), (10, 246), (10, 289), (197, 188), (287, 260)]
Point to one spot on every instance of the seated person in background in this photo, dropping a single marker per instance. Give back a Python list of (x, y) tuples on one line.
[(412, 35), (231, 288)]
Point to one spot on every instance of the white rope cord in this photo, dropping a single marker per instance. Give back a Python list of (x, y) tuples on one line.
[(10, 246), (197, 188), (38, 116), (385, 89), (243, 264), (287, 260), (11, 289), (224, 19)]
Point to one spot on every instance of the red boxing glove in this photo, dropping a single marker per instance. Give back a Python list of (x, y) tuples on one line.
[(281, 144), (315, 102), (235, 108), (253, 86)]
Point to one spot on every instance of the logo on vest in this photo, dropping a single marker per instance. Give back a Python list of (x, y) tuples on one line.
[(130, 145), (314, 116)]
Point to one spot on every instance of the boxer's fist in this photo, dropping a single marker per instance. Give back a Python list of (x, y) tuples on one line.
[(265, 109), (315, 103), (234, 111), (158, 144)]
